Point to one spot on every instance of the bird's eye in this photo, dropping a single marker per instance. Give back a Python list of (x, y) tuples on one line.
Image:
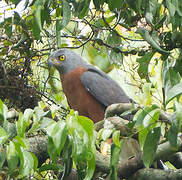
[(62, 57)]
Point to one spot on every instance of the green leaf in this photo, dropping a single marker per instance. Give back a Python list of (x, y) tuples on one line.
[(21, 125), (170, 77), (139, 6), (51, 149), (58, 133), (172, 136), (106, 133), (113, 39), (54, 167), (3, 111), (2, 158), (143, 65), (114, 4), (98, 3), (147, 94), (12, 156), (26, 164), (150, 39), (58, 33), (17, 18), (116, 137), (115, 152), (171, 8), (151, 117), (84, 9), (142, 137), (150, 146), (8, 30), (173, 92), (141, 114), (3, 136), (90, 166), (36, 162), (116, 57), (178, 115), (83, 149), (21, 141), (28, 113), (66, 14)]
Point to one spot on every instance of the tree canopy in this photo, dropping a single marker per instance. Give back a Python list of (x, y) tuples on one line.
[(142, 39)]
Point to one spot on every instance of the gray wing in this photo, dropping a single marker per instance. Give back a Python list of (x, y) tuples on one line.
[(103, 88)]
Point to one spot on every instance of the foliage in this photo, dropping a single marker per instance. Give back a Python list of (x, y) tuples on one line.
[(139, 37), (71, 140)]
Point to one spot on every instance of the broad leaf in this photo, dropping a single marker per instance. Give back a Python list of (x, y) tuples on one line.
[(115, 152), (142, 137), (150, 146), (172, 136), (54, 167), (143, 65), (2, 157), (115, 138), (173, 92), (52, 149), (21, 125), (151, 40), (3, 136), (26, 164), (66, 14), (58, 133), (12, 156)]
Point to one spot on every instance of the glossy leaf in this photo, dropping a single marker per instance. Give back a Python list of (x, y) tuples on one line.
[(143, 65), (172, 136), (151, 40), (66, 14), (106, 133), (2, 158), (54, 167), (114, 4), (171, 8), (21, 125), (3, 111), (27, 163), (58, 33), (81, 130), (116, 57), (3, 136), (150, 146), (51, 149), (84, 10), (170, 77), (141, 114), (58, 133), (12, 156), (142, 137), (28, 113), (151, 117), (115, 152), (115, 138), (98, 3), (173, 92)]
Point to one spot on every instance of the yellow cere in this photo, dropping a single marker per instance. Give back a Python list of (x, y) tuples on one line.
[(62, 57)]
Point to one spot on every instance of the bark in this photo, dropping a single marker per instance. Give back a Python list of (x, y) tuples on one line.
[(151, 174)]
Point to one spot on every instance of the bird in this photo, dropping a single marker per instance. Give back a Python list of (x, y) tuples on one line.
[(88, 90)]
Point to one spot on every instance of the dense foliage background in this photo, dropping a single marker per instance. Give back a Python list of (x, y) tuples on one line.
[(137, 42)]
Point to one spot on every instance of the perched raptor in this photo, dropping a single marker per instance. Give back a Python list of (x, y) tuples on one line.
[(88, 90)]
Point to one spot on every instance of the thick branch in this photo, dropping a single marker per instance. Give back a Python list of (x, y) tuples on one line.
[(151, 174)]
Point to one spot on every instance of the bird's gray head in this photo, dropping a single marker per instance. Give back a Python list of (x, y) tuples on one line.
[(65, 60)]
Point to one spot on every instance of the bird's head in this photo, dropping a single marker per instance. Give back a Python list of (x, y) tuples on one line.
[(65, 60)]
